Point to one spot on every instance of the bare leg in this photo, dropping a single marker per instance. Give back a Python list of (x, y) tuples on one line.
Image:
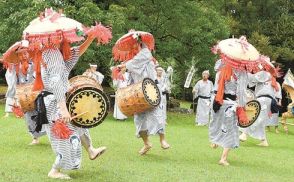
[(56, 174), (147, 145), (223, 161), (268, 128), (6, 115), (277, 129), (164, 144), (92, 152), (243, 137)]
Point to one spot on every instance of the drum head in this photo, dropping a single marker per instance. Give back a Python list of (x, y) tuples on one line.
[(252, 109), (151, 92), (90, 100)]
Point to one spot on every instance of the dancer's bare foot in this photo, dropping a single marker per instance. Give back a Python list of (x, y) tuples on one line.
[(213, 145), (277, 131), (35, 141), (164, 145), (145, 149), (263, 144), (96, 152), (223, 163), (6, 115), (56, 174), (243, 137)]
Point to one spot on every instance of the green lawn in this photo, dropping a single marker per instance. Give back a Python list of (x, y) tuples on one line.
[(189, 159)]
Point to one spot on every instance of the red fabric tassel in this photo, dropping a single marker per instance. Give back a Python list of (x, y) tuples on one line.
[(66, 50), (17, 111), (38, 84), (24, 67), (101, 33), (60, 130), (225, 75), (116, 74), (242, 117), (275, 84)]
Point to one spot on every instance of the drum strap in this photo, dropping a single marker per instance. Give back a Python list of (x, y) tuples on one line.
[(41, 117)]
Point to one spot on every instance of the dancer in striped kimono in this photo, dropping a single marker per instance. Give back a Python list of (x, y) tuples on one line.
[(202, 91), (223, 129), (274, 118), (11, 80), (265, 88), (55, 78), (31, 124), (149, 122), (164, 90), (120, 83)]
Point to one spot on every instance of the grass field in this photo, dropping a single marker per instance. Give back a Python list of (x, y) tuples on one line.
[(189, 159)]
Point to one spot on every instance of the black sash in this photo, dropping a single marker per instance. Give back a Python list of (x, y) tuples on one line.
[(203, 97), (274, 105), (41, 117)]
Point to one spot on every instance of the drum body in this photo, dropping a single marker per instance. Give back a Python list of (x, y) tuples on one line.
[(85, 81), (252, 110), (26, 96), (86, 99), (138, 97)]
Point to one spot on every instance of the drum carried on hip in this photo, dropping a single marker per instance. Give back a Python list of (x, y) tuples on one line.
[(87, 101), (26, 96), (252, 110), (138, 97)]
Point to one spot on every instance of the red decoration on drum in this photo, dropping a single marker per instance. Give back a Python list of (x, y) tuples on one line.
[(117, 74), (242, 117), (60, 130), (17, 111), (128, 45)]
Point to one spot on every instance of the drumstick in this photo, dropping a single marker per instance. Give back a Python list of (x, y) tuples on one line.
[(78, 115)]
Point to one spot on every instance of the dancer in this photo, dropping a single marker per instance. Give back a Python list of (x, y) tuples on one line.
[(149, 122), (163, 85), (265, 88), (11, 80), (118, 83), (202, 91), (274, 119), (93, 73)]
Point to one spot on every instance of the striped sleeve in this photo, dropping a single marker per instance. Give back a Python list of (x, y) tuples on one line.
[(69, 64), (55, 69)]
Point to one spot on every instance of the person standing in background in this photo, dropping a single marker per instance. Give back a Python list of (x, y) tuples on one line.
[(202, 91), (93, 73)]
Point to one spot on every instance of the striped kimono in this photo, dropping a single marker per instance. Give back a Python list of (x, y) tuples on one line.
[(163, 86), (203, 91), (55, 78), (262, 83), (117, 114), (274, 119), (31, 125), (140, 67), (223, 128), (11, 80)]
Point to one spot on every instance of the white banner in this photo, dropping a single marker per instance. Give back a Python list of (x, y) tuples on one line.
[(189, 77)]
